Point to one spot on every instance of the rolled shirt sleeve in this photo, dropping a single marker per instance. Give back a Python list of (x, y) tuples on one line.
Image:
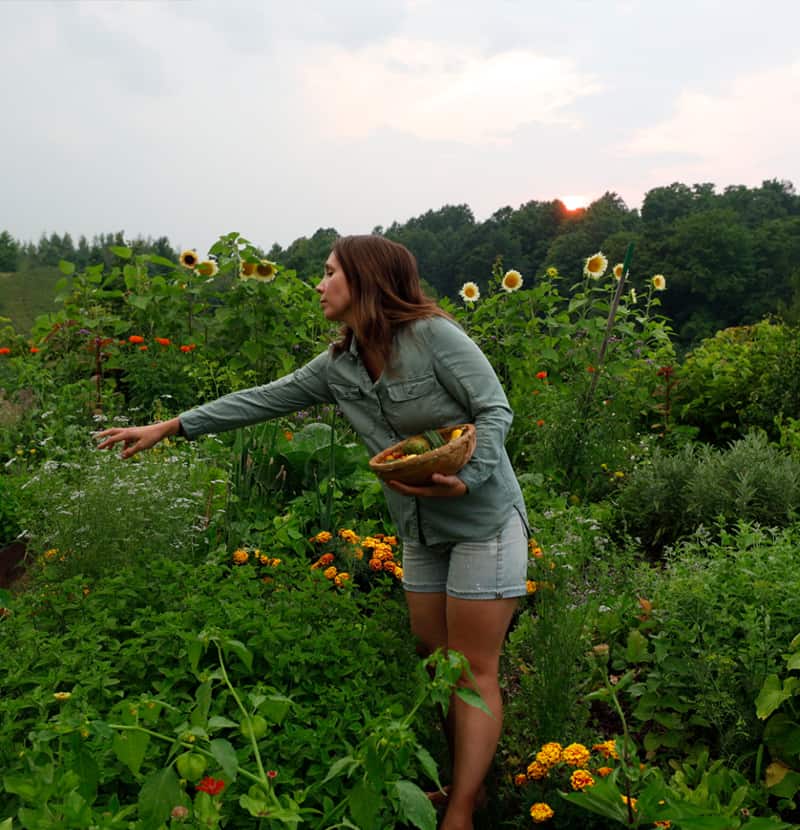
[(465, 372), (302, 388)]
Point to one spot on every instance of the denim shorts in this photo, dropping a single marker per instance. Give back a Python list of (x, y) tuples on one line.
[(494, 568)]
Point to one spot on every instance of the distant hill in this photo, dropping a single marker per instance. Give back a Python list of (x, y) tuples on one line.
[(26, 294)]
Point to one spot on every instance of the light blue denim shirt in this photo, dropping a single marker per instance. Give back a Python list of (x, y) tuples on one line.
[(437, 377)]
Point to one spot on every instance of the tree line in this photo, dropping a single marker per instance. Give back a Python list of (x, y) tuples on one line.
[(730, 258)]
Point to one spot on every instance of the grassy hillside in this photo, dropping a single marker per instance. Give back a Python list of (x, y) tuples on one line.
[(26, 294)]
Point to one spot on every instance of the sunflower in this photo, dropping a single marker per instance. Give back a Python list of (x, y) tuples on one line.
[(265, 271), (512, 281), (470, 292), (552, 272), (189, 258), (595, 265), (659, 283), (618, 271), (247, 269), (207, 268)]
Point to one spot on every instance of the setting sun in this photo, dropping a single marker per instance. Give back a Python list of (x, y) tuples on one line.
[(574, 202)]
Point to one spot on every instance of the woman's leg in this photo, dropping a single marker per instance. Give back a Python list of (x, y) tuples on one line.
[(476, 628)]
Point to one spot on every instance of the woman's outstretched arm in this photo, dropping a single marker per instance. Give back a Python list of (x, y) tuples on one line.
[(136, 439)]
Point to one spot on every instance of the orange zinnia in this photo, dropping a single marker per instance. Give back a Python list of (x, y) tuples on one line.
[(135, 338)]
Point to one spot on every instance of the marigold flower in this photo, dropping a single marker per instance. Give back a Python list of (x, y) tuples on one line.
[(512, 281), (470, 293), (288, 435), (326, 559), (389, 566), (595, 265), (536, 770), (240, 556), (349, 535), (62, 696), (619, 474), (659, 283), (537, 553), (51, 554), (390, 540), (663, 822), (541, 812), (273, 563), (330, 573), (541, 375), (189, 258), (591, 370), (631, 801), (376, 564), (207, 268), (5, 350), (608, 749), (530, 586), (163, 341), (576, 755), (135, 339), (549, 754), (580, 779), (520, 779), (604, 771), (341, 578), (212, 786), (618, 271), (398, 572), (322, 537)]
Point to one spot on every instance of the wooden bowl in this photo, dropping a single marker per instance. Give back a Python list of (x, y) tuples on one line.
[(418, 469)]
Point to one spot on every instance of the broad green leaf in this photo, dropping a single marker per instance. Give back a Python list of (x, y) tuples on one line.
[(130, 747), (771, 696), (473, 698), (5, 824), (793, 661), (199, 714), (160, 792), (275, 708), (160, 260), (225, 756), (219, 722), (122, 251), (21, 785), (364, 804), (343, 765), (415, 806), (241, 651), (140, 301), (428, 765), (66, 267)]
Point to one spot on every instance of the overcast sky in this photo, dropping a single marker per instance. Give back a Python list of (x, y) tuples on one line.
[(190, 119)]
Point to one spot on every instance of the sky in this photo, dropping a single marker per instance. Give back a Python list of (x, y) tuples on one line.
[(194, 118)]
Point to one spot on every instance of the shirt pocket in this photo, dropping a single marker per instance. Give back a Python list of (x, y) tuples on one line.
[(415, 404), (346, 392), (412, 389)]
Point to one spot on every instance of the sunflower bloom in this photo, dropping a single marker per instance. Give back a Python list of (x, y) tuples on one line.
[(541, 812), (189, 258), (552, 272), (247, 269), (266, 271), (576, 755), (470, 293), (580, 779), (208, 268), (595, 265), (659, 282), (512, 281)]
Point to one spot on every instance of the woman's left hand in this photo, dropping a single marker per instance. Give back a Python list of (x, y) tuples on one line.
[(440, 487)]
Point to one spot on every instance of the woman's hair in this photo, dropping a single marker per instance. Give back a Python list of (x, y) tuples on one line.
[(385, 291)]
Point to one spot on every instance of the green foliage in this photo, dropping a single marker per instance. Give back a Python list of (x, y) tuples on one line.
[(671, 495)]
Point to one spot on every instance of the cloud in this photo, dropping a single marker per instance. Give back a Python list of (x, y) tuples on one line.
[(749, 129), (441, 92)]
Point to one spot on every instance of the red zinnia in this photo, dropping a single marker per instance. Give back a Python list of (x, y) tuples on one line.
[(135, 338), (190, 348), (163, 341), (34, 350), (142, 348), (5, 350), (540, 423), (541, 375), (212, 786)]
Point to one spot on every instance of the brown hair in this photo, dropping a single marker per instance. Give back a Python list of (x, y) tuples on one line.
[(385, 291)]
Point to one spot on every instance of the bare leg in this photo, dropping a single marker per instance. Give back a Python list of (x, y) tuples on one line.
[(476, 628)]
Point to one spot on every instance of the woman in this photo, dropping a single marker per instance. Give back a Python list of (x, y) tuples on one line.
[(403, 366)]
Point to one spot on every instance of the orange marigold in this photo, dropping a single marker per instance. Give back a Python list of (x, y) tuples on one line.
[(608, 749), (580, 779), (541, 812), (549, 754), (322, 537), (604, 771), (536, 770), (376, 564), (330, 573), (240, 556), (576, 755), (520, 779)]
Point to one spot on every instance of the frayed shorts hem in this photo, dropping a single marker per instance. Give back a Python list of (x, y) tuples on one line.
[(508, 593)]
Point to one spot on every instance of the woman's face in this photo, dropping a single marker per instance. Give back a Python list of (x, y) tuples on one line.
[(334, 292)]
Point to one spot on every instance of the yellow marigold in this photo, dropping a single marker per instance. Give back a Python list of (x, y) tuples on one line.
[(349, 535), (580, 779), (390, 540), (51, 554), (240, 556), (604, 771), (536, 770), (576, 755), (389, 566), (520, 779), (664, 822), (541, 812), (376, 564), (341, 578), (537, 553), (530, 586), (631, 801), (398, 572), (330, 573), (273, 563), (263, 559), (358, 553), (322, 537), (62, 696), (549, 754), (608, 749)]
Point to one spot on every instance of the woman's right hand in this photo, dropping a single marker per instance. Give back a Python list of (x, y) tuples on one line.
[(136, 439)]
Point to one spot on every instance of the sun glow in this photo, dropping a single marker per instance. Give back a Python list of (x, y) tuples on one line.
[(574, 202)]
